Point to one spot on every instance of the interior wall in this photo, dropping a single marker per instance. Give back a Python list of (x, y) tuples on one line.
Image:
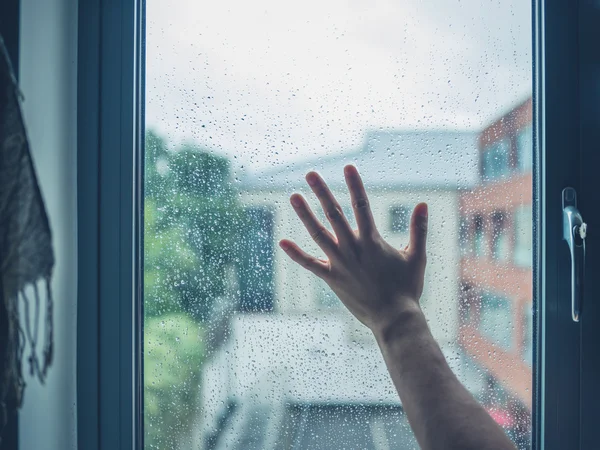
[(48, 81)]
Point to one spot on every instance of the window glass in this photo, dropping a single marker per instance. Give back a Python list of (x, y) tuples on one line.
[(523, 236), (496, 159), (495, 313), (464, 235), (256, 261), (525, 149), (500, 238), (480, 247), (243, 349), (399, 219), (326, 298)]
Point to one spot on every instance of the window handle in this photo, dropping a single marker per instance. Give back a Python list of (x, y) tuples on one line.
[(574, 232)]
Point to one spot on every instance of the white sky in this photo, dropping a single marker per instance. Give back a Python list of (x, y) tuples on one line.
[(269, 81)]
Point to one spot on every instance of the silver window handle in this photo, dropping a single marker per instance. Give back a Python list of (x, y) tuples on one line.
[(574, 232)]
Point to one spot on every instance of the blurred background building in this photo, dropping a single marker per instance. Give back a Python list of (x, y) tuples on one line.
[(496, 269), (291, 367)]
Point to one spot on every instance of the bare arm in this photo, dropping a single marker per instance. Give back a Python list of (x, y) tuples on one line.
[(382, 286)]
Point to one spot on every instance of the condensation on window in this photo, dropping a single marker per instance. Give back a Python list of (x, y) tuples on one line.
[(432, 102)]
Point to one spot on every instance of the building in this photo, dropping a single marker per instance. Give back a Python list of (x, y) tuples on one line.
[(296, 368), (496, 268)]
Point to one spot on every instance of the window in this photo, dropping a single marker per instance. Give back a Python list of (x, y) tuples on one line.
[(464, 235), (399, 219), (326, 298), (524, 149), (495, 313), (466, 302), (500, 238), (256, 274), (523, 236), (496, 160), (479, 239), (254, 99), (237, 143)]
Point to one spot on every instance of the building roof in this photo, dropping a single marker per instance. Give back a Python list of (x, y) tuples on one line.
[(393, 158)]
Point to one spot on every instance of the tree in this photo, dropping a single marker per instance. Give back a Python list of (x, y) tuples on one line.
[(191, 228), (193, 206), (172, 367)]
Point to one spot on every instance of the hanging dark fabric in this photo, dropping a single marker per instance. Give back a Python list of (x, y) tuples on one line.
[(26, 256)]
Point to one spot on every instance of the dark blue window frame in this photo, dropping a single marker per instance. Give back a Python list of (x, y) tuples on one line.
[(109, 182), (110, 127)]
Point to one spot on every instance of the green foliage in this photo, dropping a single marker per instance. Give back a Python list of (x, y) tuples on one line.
[(191, 224), (168, 259), (172, 366)]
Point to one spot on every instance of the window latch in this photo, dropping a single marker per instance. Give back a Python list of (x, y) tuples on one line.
[(574, 232)]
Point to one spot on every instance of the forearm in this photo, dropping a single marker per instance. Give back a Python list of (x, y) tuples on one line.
[(442, 413)]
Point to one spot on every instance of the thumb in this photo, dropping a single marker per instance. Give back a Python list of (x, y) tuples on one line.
[(418, 231)]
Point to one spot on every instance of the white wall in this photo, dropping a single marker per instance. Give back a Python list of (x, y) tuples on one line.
[(48, 80)]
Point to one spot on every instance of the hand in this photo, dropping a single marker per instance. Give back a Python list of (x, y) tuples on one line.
[(375, 281)]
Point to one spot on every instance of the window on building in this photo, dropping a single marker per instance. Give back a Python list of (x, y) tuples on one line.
[(525, 149), (464, 234), (494, 314), (522, 255), (325, 297), (399, 219), (479, 238), (496, 161), (465, 304), (256, 276), (500, 237)]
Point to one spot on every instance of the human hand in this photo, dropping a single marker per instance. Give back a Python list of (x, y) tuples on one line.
[(375, 281)]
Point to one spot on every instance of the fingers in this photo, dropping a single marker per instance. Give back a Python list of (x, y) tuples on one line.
[(418, 231), (360, 202), (317, 230), (314, 265), (332, 209)]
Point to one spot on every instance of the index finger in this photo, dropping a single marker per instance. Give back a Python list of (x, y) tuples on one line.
[(360, 202)]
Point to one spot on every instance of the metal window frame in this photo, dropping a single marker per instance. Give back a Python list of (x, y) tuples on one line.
[(110, 164), (556, 138), (589, 132), (109, 167), (567, 119)]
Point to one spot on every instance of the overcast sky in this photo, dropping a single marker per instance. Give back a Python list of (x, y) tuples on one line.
[(270, 81)]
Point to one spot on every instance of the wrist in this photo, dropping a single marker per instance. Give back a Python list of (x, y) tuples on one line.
[(406, 323)]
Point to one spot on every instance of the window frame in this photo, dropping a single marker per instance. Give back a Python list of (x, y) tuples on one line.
[(564, 390), (589, 132), (110, 167), (110, 130)]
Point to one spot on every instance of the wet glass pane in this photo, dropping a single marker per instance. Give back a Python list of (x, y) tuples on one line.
[(243, 349)]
